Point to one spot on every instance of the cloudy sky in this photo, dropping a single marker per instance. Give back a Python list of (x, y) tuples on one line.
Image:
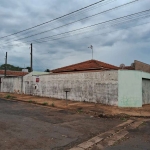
[(119, 41)]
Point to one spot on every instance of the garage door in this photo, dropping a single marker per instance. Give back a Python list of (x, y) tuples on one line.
[(146, 91)]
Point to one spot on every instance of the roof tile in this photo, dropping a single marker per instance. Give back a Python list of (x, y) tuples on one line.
[(85, 66), (13, 73)]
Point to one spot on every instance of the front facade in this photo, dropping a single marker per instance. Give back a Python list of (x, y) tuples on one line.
[(123, 88)]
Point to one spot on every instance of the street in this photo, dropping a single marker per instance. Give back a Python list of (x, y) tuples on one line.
[(28, 126), (137, 139)]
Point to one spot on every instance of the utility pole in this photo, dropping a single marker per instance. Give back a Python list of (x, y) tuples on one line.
[(91, 47), (5, 64), (31, 59)]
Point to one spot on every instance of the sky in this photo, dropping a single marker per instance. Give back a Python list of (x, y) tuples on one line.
[(115, 42)]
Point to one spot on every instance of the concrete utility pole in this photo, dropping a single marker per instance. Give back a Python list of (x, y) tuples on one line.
[(91, 47), (31, 59), (5, 64)]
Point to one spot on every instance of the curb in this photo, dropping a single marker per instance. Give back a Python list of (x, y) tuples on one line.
[(110, 137)]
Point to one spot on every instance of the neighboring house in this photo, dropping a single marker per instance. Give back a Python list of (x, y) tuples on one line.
[(86, 66), (12, 79), (137, 65), (10, 73)]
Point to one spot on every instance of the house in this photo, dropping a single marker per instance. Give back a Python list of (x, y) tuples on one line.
[(10, 73), (89, 81), (86, 66), (138, 65)]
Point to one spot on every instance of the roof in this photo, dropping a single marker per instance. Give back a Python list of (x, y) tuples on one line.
[(86, 66), (13, 73)]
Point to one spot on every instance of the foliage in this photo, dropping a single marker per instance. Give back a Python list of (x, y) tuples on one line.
[(47, 70), (45, 103), (8, 96), (12, 67)]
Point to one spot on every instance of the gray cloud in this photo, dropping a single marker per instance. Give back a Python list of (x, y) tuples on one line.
[(114, 44)]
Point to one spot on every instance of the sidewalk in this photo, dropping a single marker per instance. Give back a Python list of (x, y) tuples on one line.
[(93, 109)]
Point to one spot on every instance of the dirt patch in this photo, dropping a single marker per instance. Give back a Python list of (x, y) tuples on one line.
[(93, 109)]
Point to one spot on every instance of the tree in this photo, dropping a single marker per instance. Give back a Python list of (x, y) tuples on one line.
[(47, 70), (12, 68)]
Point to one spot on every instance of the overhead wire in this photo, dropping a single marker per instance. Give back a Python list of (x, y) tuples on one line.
[(93, 25), (124, 17), (52, 19), (76, 14), (94, 15), (99, 34)]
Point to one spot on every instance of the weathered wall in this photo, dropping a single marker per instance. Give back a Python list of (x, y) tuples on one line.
[(12, 84), (130, 88), (100, 87)]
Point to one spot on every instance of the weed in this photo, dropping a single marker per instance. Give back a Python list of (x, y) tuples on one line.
[(123, 119), (45, 103), (53, 105), (8, 96), (79, 110), (30, 101)]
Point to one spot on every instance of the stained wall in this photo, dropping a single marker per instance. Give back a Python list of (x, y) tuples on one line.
[(12, 84), (98, 87)]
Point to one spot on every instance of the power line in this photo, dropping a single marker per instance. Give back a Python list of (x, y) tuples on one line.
[(75, 34), (78, 20), (109, 21), (53, 19), (93, 35), (73, 15), (100, 33)]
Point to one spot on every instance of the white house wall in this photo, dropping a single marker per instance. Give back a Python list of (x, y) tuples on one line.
[(11, 85), (99, 87)]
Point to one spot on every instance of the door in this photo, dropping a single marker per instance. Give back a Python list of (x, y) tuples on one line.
[(146, 91)]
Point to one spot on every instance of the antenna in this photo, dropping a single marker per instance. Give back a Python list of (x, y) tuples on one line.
[(91, 47), (122, 66)]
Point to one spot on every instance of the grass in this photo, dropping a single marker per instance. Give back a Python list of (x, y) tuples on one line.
[(123, 119), (79, 110), (45, 103), (8, 96), (31, 101)]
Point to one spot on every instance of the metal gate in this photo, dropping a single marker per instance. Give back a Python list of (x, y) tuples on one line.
[(146, 91), (28, 87)]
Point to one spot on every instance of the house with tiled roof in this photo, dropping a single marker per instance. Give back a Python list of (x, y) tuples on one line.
[(10, 73), (86, 66)]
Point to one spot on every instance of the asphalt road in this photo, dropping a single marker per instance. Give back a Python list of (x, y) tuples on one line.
[(24, 126), (137, 139)]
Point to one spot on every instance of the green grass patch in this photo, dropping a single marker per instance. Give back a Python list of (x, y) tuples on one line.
[(31, 101), (8, 96), (45, 103), (79, 110)]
